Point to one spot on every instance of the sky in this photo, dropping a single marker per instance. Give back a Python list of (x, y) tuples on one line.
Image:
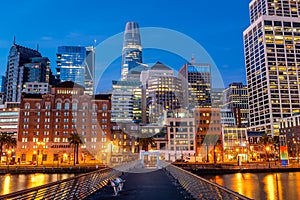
[(216, 25)]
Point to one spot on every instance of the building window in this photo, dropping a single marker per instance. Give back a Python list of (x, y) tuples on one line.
[(58, 106), (67, 106), (95, 107), (38, 106), (48, 106), (74, 106), (27, 106)]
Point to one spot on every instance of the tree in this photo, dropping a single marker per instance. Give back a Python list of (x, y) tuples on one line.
[(8, 141), (3, 139), (144, 142), (75, 141), (11, 142)]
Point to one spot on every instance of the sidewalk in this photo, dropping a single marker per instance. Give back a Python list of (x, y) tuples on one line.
[(145, 185)]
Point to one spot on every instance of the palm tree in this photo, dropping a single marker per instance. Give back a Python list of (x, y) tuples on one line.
[(3, 139), (144, 142), (74, 141), (11, 142)]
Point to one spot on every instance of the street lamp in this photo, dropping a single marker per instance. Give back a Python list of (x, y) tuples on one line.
[(297, 154), (8, 156), (268, 149)]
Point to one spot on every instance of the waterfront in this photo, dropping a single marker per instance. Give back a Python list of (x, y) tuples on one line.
[(14, 182), (269, 186)]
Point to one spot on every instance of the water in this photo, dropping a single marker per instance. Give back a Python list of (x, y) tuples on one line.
[(14, 182), (270, 186)]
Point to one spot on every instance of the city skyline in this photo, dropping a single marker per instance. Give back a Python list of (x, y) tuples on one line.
[(223, 42)]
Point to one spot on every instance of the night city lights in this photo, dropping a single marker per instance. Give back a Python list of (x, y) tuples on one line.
[(150, 100)]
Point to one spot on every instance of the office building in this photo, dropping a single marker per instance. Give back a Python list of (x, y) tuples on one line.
[(71, 64), (217, 97), (126, 101), (272, 50), (36, 88), (290, 128), (208, 134), (89, 79), (18, 56), (196, 80), (235, 144), (132, 49), (162, 91), (235, 98), (227, 117), (180, 124)]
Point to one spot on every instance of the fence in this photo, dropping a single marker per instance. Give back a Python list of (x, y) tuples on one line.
[(201, 188), (78, 187)]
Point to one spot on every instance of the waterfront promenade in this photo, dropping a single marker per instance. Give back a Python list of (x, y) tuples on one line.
[(165, 181), (145, 184)]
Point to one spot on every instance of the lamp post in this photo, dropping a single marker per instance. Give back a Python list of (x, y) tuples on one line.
[(8, 153), (297, 154), (267, 150)]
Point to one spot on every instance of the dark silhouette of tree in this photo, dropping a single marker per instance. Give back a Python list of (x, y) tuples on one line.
[(75, 141), (144, 142)]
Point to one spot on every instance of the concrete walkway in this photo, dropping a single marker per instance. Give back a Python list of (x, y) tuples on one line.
[(144, 185)]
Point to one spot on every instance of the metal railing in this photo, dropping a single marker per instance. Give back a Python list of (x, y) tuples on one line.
[(78, 187), (201, 188)]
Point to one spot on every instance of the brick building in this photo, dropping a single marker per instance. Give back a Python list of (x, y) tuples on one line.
[(208, 134), (47, 121)]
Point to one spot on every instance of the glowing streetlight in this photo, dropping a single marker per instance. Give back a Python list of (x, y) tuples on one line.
[(268, 149)]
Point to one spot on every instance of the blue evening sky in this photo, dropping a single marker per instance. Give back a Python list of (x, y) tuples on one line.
[(216, 25)]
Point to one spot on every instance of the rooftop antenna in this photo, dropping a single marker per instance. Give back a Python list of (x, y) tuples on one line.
[(95, 41), (37, 47), (14, 42), (193, 59)]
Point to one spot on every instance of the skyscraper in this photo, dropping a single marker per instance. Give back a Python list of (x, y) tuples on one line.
[(71, 63), (89, 70), (235, 98), (132, 49), (196, 79), (18, 56), (272, 56), (37, 70), (162, 91)]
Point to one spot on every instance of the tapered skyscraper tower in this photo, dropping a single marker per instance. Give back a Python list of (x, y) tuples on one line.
[(132, 49)]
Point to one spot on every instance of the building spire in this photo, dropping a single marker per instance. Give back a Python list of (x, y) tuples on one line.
[(37, 47), (14, 42), (193, 59)]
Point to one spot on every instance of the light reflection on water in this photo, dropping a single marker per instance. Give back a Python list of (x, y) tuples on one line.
[(12, 183), (270, 186)]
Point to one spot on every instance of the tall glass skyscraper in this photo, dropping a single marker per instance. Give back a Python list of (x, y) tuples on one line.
[(272, 56), (132, 49), (89, 70), (71, 63)]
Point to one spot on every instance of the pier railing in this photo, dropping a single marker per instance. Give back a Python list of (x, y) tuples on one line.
[(201, 188), (78, 187)]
